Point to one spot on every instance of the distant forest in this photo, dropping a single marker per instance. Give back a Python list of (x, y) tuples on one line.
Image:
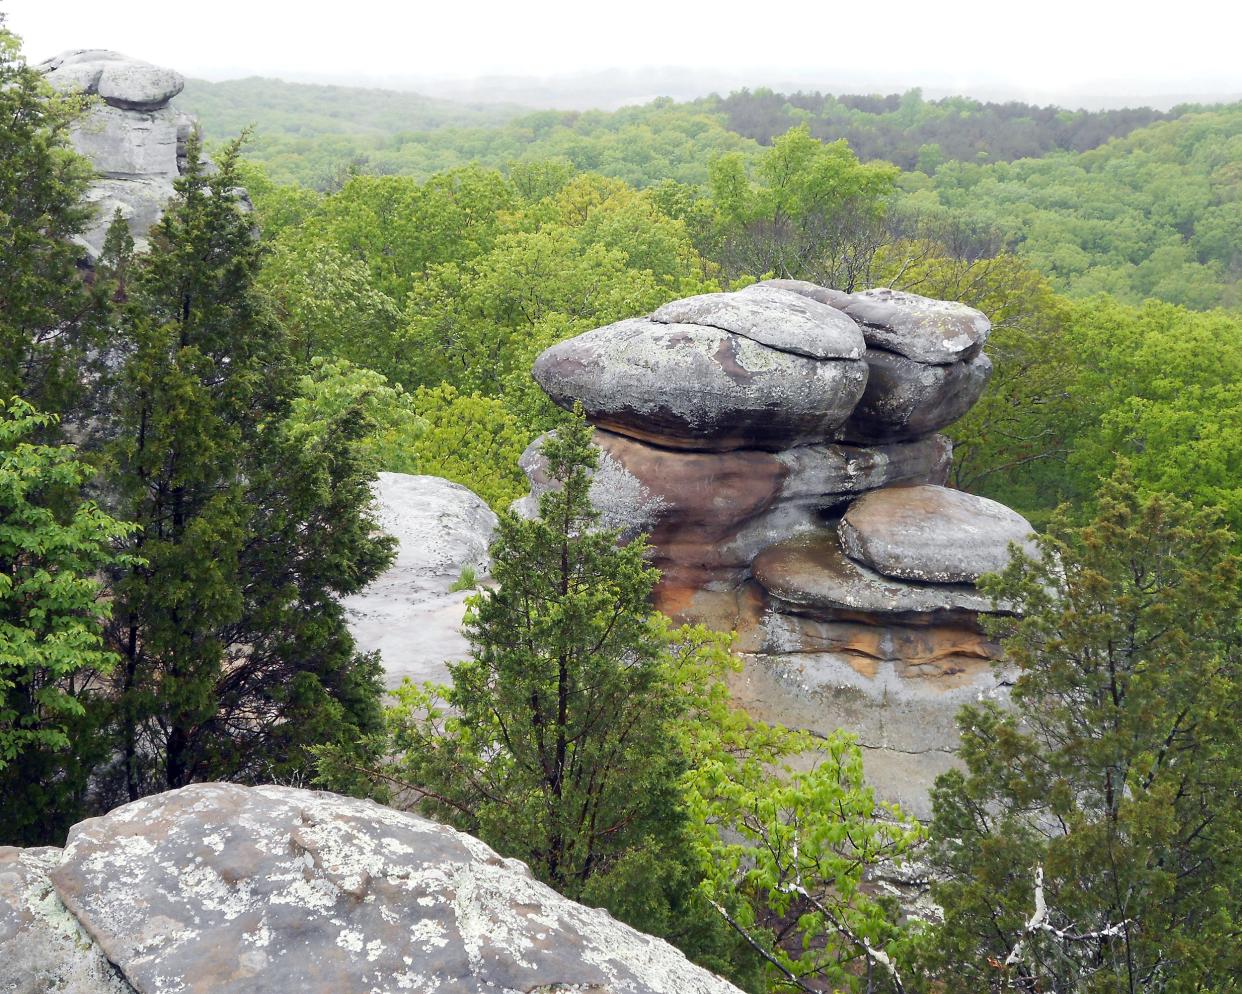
[(1136, 203), (914, 133)]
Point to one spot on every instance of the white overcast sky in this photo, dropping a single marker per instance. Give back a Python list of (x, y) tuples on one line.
[(1130, 46)]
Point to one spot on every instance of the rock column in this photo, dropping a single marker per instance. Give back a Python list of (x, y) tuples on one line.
[(778, 445)]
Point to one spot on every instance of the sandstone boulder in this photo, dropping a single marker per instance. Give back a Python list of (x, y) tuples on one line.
[(908, 399), (919, 328), (224, 889), (693, 387), (409, 615), (708, 513), (932, 534), (825, 295), (812, 572), (121, 81), (774, 317)]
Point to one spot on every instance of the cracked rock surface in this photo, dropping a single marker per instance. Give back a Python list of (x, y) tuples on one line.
[(225, 889)]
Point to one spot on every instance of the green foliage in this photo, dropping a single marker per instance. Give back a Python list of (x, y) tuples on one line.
[(1091, 844), (235, 654), (1151, 215), (810, 215), (53, 545), (468, 580), (922, 134), (472, 440), (44, 308)]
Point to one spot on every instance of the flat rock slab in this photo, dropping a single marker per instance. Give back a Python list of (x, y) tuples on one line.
[(224, 889), (812, 571), (919, 328), (906, 399), (825, 295), (932, 534), (121, 81), (694, 387), (409, 614), (772, 316)]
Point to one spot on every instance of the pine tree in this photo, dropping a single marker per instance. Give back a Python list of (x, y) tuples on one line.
[(557, 753), (1092, 842), (234, 653)]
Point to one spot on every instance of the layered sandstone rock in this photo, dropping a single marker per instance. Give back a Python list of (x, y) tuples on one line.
[(778, 446), (134, 139), (224, 889)]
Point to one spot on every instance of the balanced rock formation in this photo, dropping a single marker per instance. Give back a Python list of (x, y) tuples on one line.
[(224, 889), (134, 139), (410, 614), (778, 445)]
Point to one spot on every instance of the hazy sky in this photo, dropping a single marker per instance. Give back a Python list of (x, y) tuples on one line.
[(1048, 46)]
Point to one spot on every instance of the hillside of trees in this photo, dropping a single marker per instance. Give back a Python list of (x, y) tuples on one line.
[(188, 438), (1134, 203)]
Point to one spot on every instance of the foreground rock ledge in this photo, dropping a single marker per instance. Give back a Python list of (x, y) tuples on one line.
[(224, 889)]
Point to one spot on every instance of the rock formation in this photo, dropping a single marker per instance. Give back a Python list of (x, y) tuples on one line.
[(409, 614), (223, 889), (134, 139), (778, 444)]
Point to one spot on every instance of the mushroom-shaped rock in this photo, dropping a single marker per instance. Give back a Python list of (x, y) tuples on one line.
[(919, 328), (932, 534), (907, 399), (224, 889), (694, 387), (409, 614), (121, 81), (825, 295), (812, 571), (777, 318)]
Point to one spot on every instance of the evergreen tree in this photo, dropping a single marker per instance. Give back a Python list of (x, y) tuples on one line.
[(46, 311), (1092, 842), (52, 614), (234, 652)]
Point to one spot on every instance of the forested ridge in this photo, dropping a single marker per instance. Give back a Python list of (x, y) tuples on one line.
[(1135, 203), (188, 438)]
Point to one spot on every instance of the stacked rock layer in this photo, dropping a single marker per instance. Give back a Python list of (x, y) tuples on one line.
[(778, 445), (135, 140)]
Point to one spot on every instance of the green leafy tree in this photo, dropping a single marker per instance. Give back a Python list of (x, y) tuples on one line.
[(1092, 841), (815, 213), (235, 657), (52, 616)]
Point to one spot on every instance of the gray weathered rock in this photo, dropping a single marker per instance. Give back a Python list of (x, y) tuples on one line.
[(121, 81), (135, 141), (42, 946), (932, 534), (812, 571), (774, 317), (825, 295), (694, 387), (124, 144), (920, 328), (907, 399), (224, 889), (409, 614)]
